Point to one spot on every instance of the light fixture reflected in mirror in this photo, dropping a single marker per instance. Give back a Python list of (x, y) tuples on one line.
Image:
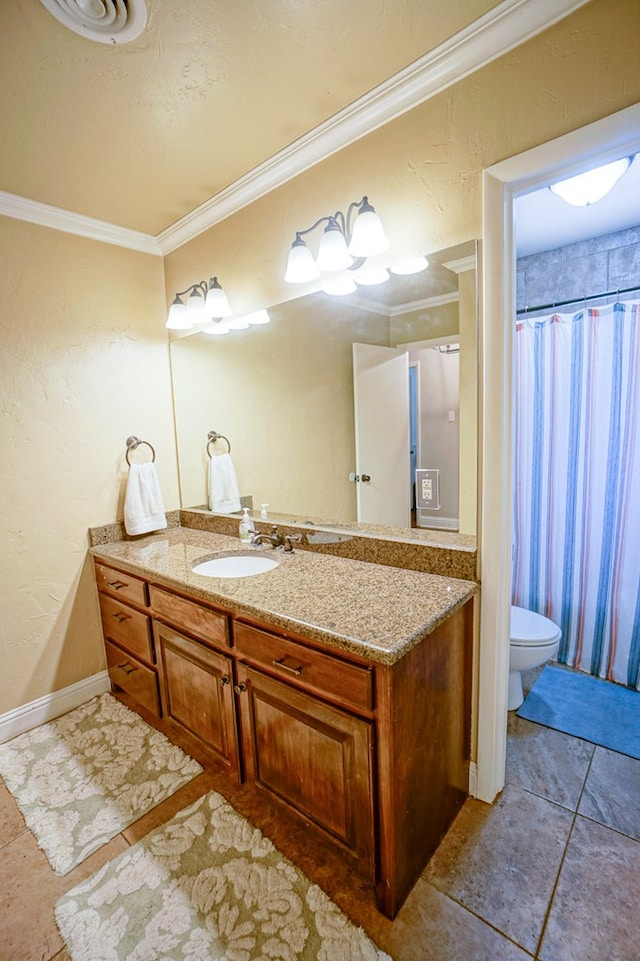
[(342, 247), (238, 323), (591, 186), (339, 286), (205, 302), (411, 266)]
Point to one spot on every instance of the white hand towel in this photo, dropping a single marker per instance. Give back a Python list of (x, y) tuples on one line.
[(143, 509), (224, 496)]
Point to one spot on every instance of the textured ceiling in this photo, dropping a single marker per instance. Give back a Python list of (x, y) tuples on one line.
[(141, 134)]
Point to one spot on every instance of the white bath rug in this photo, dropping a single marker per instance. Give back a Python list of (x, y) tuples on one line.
[(206, 886), (83, 778)]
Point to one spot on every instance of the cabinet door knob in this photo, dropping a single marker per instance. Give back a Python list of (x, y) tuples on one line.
[(118, 585), (224, 679), (121, 617), (239, 688), (366, 478)]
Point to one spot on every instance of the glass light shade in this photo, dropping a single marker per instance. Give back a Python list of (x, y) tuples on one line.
[(217, 303), (413, 265), (333, 253), (369, 275), (258, 317), (237, 323), (339, 286), (368, 237), (178, 318), (301, 267), (195, 308), (220, 327), (589, 187)]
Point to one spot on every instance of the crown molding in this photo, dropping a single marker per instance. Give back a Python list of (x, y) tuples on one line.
[(462, 265), (34, 212), (508, 25)]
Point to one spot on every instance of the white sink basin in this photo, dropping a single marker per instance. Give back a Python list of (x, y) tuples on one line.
[(234, 564)]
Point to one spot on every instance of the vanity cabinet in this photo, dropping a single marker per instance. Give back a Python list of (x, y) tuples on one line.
[(374, 756), (312, 757)]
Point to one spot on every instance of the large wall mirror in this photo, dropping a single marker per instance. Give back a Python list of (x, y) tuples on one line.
[(302, 438)]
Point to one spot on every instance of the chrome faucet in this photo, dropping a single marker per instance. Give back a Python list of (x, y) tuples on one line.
[(276, 539)]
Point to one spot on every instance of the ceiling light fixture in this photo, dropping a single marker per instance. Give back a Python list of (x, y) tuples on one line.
[(341, 246), (591, 186), (205, 302)]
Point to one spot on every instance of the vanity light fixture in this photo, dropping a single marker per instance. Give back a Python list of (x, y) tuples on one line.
[(341, 246), (591, 186), (205, 301)]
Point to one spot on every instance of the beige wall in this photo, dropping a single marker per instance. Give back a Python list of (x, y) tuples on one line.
[(84, 363)]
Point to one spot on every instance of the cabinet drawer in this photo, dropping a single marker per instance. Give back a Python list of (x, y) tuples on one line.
[(133, 677), (129, 628), (188, 616), (324, 673), (122, 585)]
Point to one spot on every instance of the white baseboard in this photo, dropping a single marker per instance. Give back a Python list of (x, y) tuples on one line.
[(473, 779), (51, 706)]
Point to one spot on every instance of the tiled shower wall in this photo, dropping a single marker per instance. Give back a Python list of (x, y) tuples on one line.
[(610, 262)]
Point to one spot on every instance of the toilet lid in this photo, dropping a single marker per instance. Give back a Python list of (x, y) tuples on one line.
[(528, 627)]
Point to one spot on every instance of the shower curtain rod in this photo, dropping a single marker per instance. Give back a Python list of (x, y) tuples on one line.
[(577, 300)]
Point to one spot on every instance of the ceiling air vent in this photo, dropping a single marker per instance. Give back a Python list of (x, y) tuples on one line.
[(107, 21)]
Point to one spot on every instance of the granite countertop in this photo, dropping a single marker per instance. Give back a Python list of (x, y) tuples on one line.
[(376, 611)]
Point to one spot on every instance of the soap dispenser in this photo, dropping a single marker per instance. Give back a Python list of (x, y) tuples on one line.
[(247, 527)]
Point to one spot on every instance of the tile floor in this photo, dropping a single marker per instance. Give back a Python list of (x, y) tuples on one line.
[(550, 871)]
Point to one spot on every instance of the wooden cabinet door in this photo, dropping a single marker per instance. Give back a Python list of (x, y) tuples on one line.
[(198, 693), (311, 757)]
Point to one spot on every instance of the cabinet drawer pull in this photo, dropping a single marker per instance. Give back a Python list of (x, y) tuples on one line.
[(281, 662), (239, 688), (224, 679), (120, 617), (118, 585), (127, 667)]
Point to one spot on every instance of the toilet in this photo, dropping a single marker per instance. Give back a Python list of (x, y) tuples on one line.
[(534, 640)]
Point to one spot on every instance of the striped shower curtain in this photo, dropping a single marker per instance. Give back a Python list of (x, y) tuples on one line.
[(576, 552)]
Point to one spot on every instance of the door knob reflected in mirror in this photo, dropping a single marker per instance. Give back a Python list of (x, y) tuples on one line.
[(353, 477)]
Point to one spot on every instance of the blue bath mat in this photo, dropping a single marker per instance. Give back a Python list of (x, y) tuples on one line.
[(599, 711)]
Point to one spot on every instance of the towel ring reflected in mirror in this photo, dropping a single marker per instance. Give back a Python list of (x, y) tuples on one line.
[(214, 436), (133, 443)]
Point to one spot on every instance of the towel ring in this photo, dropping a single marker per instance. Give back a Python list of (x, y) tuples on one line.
[(133, 442), (213, 437)]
